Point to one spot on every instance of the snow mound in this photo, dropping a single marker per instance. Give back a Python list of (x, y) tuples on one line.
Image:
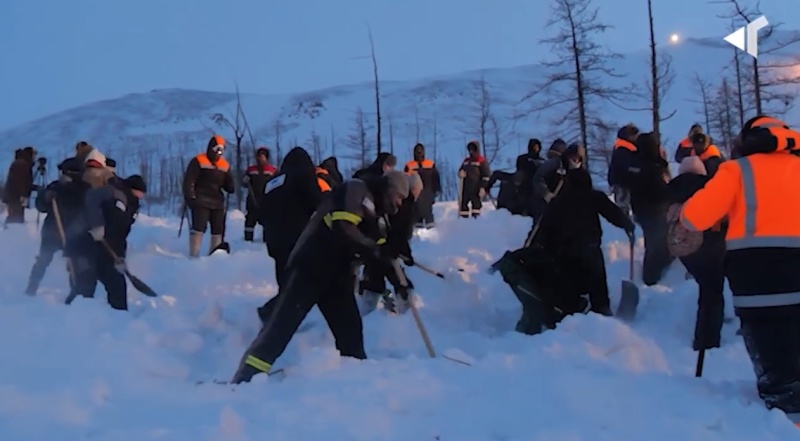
[(88, 372)]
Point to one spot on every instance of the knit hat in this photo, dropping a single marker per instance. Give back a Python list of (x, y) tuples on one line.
[(397, 182), (693, 165), (262, 151), (136, 182)]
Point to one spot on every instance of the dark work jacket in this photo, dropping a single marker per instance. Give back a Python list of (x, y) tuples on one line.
[(204, 181), (115, 207)]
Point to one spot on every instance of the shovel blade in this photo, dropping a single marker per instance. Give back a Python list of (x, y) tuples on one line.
[(629, 301), (140, 286)]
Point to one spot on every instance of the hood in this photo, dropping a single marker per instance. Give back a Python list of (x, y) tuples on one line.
[(557, 148), (579, 179), (331, 165), (382, 159), (534, 147), (419, 152), (647, 146), (214, 143), (298, 161), (695, 129)]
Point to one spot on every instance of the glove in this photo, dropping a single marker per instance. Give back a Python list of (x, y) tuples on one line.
[(246, 180), (482, 193), (402, 292), (549, 197), (121, 267), (462, 174), (98, 233)]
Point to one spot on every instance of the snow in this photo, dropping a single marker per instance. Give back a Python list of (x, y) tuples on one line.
[(86, 372)]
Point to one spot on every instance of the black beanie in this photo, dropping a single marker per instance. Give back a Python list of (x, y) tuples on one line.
[(110, 162), (136, 182)]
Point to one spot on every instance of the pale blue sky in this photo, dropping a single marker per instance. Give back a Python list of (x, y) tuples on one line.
[(62, 53)]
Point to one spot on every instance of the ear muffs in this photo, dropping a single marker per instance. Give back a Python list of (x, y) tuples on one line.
[(766, 134)]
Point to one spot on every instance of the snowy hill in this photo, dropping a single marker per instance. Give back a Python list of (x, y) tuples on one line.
[(87, 372), (443, 112)]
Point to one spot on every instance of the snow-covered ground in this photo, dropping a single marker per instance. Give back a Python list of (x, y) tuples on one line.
[(86, 372)]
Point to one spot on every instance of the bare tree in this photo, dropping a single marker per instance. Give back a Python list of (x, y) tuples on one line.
[(357, 142), (278, 131), (333, 141), (581, 64), (417, 125), (661, 77), (236, 122), (602, 134), (704, 89), (770, 73), (435, 138), (315, 143), (391, 135), (723, 119), (481, 108)]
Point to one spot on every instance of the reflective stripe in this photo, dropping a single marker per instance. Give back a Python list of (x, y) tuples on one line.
[(346, 216), (750, 240), (257, 363), (380, 241), (766, 300), (249, 229)]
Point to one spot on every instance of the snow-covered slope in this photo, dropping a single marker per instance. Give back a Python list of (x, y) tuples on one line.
[(175, 123), (87, 373)]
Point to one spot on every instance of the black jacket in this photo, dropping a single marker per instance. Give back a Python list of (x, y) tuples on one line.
[(400, 231), (571, 222), (648, 187), (373, 170), (331, 165), (69, 197), (288, 201), (204, 182), (114, 207)]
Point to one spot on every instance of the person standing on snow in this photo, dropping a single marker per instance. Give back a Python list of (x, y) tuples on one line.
[(207, 175), (68, 192), (763, 251), (622, 165), (19, 185), (546, 178), (474, 174), (343, 231), (707, 264), (649, 202), (334, 176), (255, 179), (287, 204), (707, 152), (111, 211), (685, 147), (431, 186), (400, 229), (571, 232)]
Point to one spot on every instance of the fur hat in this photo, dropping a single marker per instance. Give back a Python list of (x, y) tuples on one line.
[(693, 165)]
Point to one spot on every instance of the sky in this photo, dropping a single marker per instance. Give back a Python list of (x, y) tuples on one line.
[(60, 54)]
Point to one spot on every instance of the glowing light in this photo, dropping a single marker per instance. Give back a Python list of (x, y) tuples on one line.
[(674, 38)]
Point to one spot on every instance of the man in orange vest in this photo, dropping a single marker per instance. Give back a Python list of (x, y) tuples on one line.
[(623, 159), (206, 176), (763, 251), (685, 146), (707, 152), (255, 180), (431, 186)]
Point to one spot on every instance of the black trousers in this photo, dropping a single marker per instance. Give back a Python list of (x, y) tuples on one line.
[(15, 213), (424, 208), (281, 259), (201, 217), (47, 250), (332, 293), (583, 272), (250, 222), (92, 264), (656, 254), (375, 275), (470, 200), (774, 348), (708, 270)]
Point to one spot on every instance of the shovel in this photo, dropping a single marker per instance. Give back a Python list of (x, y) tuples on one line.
[(629, 300), (224, 245)]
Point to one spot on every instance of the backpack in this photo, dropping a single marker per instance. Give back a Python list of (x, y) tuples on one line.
[(680, 240)]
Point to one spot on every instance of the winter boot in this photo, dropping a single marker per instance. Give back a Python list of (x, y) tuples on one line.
[(368, 301), (195, 240), (401, 305), (216, 240), (248, 234)]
